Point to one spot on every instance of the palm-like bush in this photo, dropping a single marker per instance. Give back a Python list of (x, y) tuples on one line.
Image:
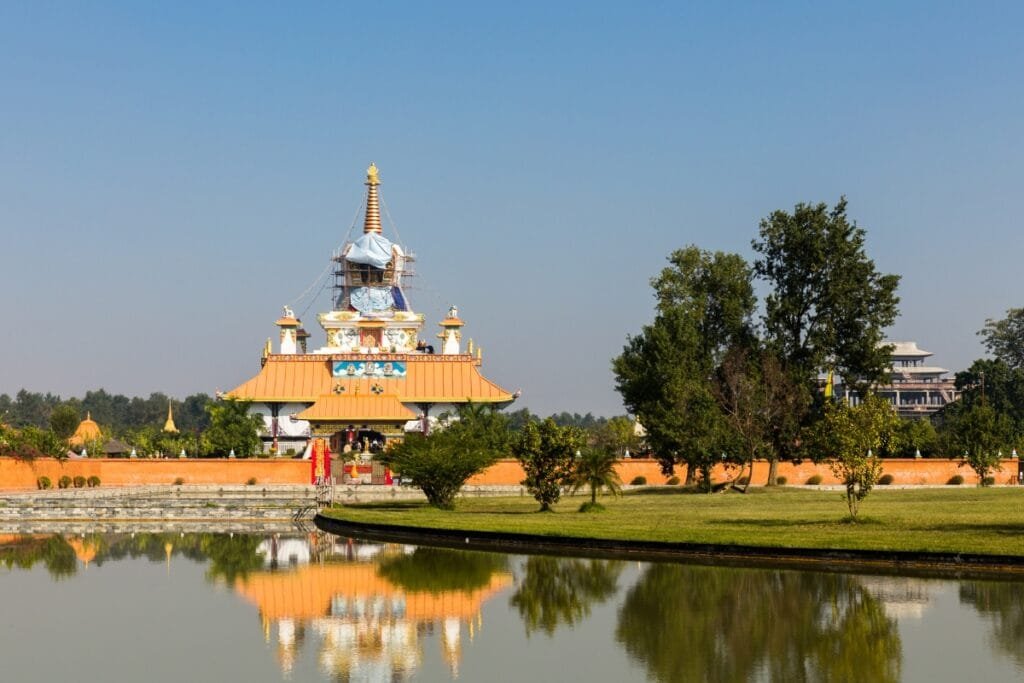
[(596, 469)]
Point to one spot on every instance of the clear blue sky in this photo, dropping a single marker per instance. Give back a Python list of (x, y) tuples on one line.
[(172, 173)]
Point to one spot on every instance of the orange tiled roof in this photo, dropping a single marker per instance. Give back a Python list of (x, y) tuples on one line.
[(429, 379), (366, 408), (286, 321), (306, 592)]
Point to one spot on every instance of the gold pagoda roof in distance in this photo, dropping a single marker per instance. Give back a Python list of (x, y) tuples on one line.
[(429, 378), (86, 431)]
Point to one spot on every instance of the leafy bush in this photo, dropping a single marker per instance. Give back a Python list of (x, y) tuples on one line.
[(988, 481), (885, 480), (814, 480), (93, 481), (179, 481), (251, 481), (439, 464), (79, 482), (781, 481), (64, 482), (546, 452), (955, 480), (592, 506), (44, 483), (639, 481), (673, 481), (290, 451)]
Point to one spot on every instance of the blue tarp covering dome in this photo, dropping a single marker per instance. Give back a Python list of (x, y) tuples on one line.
[(371, 249)]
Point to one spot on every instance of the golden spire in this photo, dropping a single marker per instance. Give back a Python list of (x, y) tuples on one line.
[(169, 424), (372, 222)]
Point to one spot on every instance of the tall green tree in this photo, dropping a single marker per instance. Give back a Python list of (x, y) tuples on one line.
[(232, 428), (547, 454), (705, 304), (828, 305), (1004, 338)]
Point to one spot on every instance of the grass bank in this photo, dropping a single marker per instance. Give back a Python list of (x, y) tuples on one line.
[(978, 521)]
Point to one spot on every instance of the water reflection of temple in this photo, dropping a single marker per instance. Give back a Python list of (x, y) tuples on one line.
[(369, 628)]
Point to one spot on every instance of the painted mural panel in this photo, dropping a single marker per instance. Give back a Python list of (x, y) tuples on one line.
[(357, 368)]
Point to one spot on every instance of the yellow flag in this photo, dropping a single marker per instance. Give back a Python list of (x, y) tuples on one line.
[(828, 385)]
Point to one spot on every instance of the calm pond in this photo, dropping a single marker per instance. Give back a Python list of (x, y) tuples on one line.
[(308, 606)]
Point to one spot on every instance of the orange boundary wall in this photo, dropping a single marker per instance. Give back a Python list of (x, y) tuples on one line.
[(136, 472), (508, 472), (925, 471)]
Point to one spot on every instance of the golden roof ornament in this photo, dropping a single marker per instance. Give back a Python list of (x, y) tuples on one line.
[(169, 424), (372, 222)]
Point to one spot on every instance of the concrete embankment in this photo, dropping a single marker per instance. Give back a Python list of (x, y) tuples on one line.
[(133, 503), (156, 503)]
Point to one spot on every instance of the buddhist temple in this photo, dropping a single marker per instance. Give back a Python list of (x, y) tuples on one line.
[(376, 376)]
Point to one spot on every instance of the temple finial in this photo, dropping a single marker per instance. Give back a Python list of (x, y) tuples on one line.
[(372, 222), (169, 425)]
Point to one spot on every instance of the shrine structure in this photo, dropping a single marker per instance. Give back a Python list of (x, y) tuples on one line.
[(375, 378)]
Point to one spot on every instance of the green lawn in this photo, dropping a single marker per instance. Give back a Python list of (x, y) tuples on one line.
[(965, 520)]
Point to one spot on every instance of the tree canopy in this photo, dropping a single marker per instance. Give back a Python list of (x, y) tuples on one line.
[(1004, 338), (828, 306)]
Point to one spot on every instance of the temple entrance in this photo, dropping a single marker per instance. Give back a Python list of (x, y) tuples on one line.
[(357, 440)]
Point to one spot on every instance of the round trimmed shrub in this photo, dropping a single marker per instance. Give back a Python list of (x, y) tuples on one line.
[(639, 481), (179, 481), (813, 480), (781, 481), (955, 480), (64, 482), (79, 482), (44, 483), (988, 481), (885, 480), (93, 481), (251, 481), (673, 481)]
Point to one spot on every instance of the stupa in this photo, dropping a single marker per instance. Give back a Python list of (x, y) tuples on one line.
[(86, 432), (375, 377)]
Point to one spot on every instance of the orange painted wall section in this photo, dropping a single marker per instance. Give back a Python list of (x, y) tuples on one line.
[(129, 472), (904, 471)]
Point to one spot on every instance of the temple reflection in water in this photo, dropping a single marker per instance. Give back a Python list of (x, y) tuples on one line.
[(369, 626)]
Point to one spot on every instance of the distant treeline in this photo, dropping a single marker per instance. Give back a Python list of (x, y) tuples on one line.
[(114, 412), (119, 413)]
